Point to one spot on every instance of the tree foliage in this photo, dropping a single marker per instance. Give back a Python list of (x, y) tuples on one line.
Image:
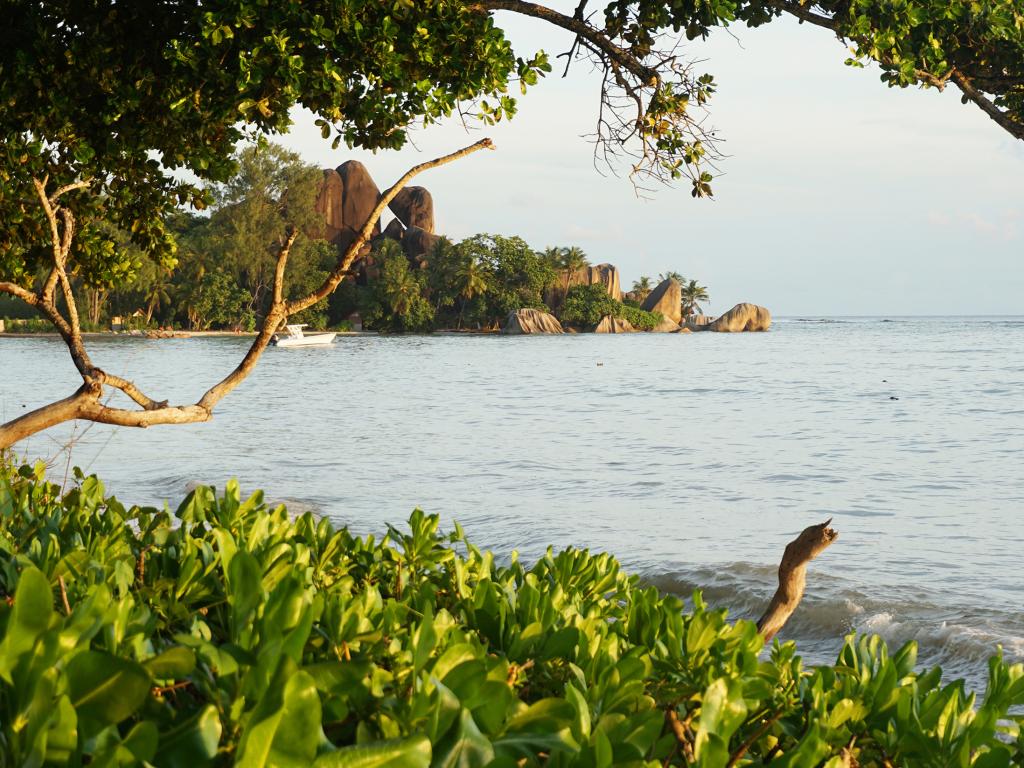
[(394, 300), (586, 305), (229, 633)]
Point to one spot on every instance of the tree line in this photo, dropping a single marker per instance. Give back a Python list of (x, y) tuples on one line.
[(223, 271)]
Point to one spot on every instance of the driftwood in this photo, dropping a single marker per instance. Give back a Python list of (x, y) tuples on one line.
[(793, 576)]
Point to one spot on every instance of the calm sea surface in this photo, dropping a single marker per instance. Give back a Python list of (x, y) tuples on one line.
[(693, 458)]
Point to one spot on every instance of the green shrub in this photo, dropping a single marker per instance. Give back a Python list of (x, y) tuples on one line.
[(228, 633), (640, 319), (585, 305)]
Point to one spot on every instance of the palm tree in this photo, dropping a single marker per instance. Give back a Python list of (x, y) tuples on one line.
[(470, 281), (157, 295), (692, 295), (552, 256), (641, 288), (572, 261), (671, 274)]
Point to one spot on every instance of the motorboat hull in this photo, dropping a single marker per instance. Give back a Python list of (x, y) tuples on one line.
[(315, 340)]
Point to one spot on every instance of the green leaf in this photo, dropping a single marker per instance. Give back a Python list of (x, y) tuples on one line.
[(173, 663), (412, 752), (33, 608), (284, 728), (464, 747), (106, 689), (193, 743)]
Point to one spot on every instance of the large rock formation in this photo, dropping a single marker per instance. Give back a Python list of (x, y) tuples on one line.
[(419, 244), (666, 325), (359, 196), (329, 203), (666, 299), (742, 317), (415, 208), (611, 324), (605, 274), (599, 274), (531, 321), (394, 230)]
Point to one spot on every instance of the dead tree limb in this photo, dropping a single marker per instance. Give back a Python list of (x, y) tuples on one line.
[(86, 403), (793, 576)]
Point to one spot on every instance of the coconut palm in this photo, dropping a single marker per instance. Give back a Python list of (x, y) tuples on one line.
[(692, 295), (157, 295), (572, 261), (470, 280), (552, 256), (673, 275), (641, 288)]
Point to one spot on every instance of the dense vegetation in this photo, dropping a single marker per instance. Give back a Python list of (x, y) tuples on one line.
[(228, 633), (585, 305), (225, 261)]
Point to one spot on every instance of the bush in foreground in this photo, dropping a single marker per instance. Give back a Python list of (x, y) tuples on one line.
[(230, 634)]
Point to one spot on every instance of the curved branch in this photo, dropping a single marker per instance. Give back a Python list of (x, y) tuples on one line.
[(1004, 119), (802, 13), (811, 542), (282, 262), (580, 27), (18, 292), (128, 388)]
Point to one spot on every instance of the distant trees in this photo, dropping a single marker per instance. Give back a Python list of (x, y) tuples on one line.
[(395, 300)]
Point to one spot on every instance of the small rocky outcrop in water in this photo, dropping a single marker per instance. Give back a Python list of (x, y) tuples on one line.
[(666, 299), (611, 324), (414, 207), (531, 321), (742, 317)]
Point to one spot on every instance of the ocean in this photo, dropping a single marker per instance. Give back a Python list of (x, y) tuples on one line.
[(692, 458)]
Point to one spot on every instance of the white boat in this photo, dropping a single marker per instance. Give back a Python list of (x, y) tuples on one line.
[(294, 337)]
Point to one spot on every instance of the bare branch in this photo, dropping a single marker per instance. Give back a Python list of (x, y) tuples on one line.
[(1004, 119), (282, 263), (61, 191), (128, 388), (802, 13), (575, 24), (18, 292)]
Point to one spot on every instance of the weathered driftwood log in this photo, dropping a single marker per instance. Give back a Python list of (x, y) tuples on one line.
[(793, 576)]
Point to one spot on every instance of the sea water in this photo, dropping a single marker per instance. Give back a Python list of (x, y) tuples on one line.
[(693, 458)]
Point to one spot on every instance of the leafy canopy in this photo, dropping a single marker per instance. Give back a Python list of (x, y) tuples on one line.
[(122, 93)]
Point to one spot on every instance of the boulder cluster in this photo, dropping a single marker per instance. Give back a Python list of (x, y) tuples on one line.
[(349, 194), (347, 197)]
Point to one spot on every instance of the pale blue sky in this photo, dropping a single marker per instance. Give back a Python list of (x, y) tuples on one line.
[(839, 195)]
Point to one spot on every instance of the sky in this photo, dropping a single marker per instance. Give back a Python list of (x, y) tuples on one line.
[(838, 195)]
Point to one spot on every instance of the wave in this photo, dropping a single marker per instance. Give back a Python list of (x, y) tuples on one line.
[(956, 636)]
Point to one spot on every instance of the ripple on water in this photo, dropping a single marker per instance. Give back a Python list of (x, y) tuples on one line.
[(694, 458)]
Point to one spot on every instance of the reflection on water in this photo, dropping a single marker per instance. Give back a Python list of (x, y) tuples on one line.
[(692, 458)]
